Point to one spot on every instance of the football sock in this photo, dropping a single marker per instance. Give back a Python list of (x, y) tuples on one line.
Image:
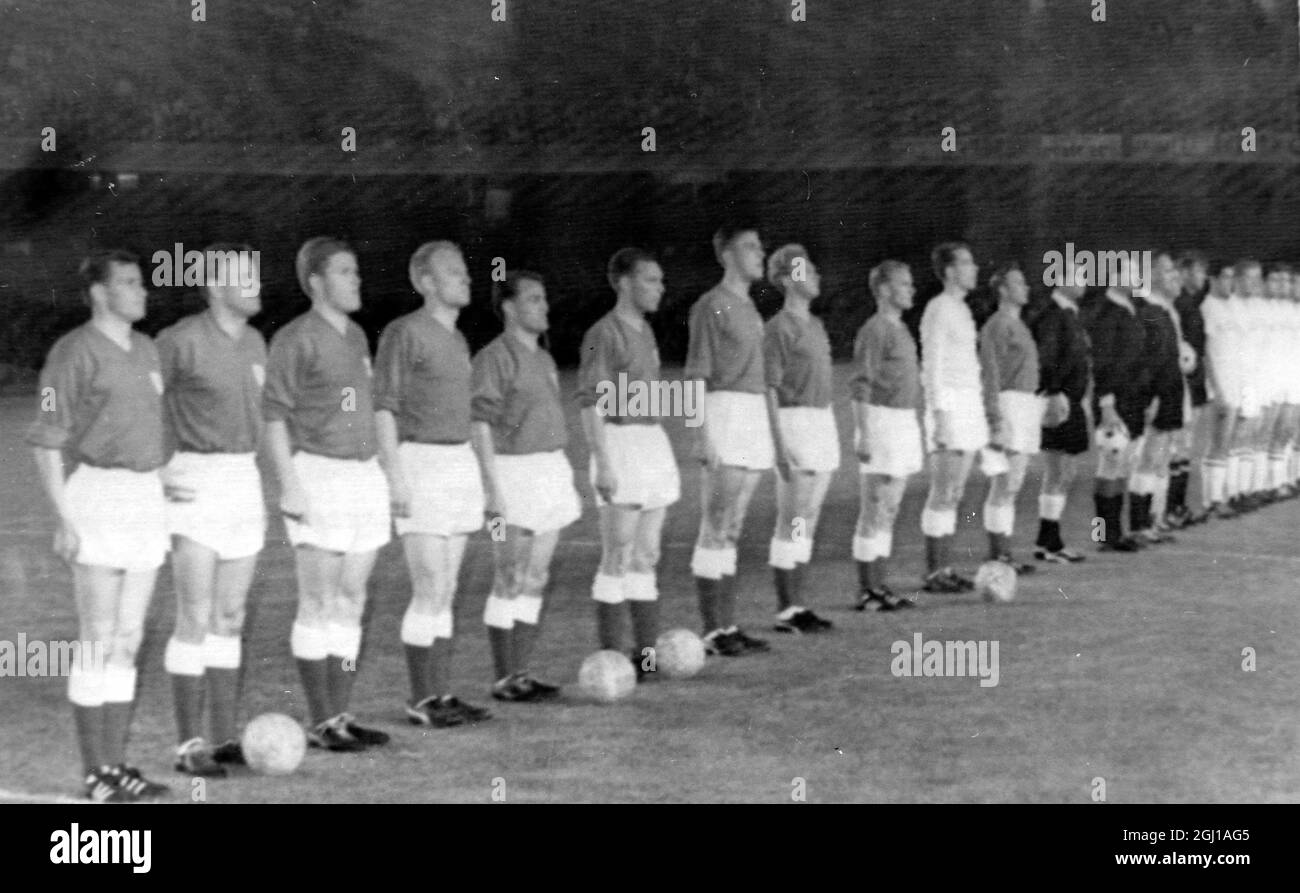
[(308, 646), (183, 662), (867, 575), (727, 601), (119, 701), (609, 625), (784, 587), (1179, 477), (90, 735), (222, 657), (707, 592), (645, 625)]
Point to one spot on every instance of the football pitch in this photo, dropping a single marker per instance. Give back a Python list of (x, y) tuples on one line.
[(1132, 669)]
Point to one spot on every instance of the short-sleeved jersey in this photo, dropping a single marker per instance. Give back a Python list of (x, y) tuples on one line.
[(885, 368), (949, 357), (318, 383), (516, 391), (1223, 341), (1188, 307), (1161, 345), (615, 353), (1064, 352), (1008, 355), (726, 343), (422, 376), (213, 397), (1119, 352), (100, 403), (797, 360)]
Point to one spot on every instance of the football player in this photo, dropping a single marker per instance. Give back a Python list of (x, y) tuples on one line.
[(320, 433), (632, 468), (1222, 360), (213, 367), (519, 433), (1189, 443), (422, 419), (725, 351), (101, 404)]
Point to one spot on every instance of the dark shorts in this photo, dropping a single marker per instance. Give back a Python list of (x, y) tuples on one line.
[(1071, 436), (1169, 417), (1132, 410)]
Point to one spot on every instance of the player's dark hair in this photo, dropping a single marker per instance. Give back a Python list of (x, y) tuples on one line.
[(944, 255), (96, 267), (1244, 264), (1193, 258), (1001, 272), (727, 233), (624, 263), (508, 289), (314, 254), (223, 250), (1278, 266), (1216, 267), (881, 273)]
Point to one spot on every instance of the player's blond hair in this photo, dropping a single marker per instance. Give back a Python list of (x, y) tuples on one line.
[(422, 260), (780, 264), (882, 272)]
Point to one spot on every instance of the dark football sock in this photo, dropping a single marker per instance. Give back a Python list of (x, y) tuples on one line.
[(187, 693), (707, 591), (784, 585), (90, 735), (417, 671), (645, 624), (867, 578), (117, 727), (315, 685), (502, 656), (223, 702), (438, 680), (522, 638), (340, 675), (727, 602), (609, 625)]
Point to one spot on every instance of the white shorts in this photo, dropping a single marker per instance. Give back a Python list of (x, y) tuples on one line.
[(644, 467), (969, 424), (348, 500), (893, 442), (446, 489), (228, 513), (120, 517), (1022, 421), (810, 437), (538, 490), (738, 429)]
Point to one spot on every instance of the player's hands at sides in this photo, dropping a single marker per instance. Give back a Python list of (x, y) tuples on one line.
[(1152, 410), (174, 489), (66, 541), (495, 505), (399, 496), (606, 482), (942, 429), (1058, 411), (293, 504), (706, 452)]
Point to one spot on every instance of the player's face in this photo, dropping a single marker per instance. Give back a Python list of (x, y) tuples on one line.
[(1252, 282), (449, 278), (531, 309), (1194, 278), (811, 286), (647, 283), (1075, 292), (339, 283), (1166, 276), (745, 256), (1221, 285), (900, 291), (245, 302), (1014, 288), (122, 293), (962, 271)]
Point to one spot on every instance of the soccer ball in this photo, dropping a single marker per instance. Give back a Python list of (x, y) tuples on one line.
[(996, 581), (273, 744), (607, 676), (679, 654)]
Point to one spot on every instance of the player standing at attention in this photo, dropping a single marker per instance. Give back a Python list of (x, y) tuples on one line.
[(735, 440), (1278, 434), (213, 368), (1248, 277), (1222, 359), (320, 433), (1009, 364), (633, 470), (1149, 483), (101, 402), (519, 433), (422, 381), (797, 360), (1293, 382), (1189, 442), (956, 427), (1065, 373), (887, 430), (1121, 394)]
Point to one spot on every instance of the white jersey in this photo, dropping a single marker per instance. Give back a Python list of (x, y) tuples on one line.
[(950, 365), (1223, 348)]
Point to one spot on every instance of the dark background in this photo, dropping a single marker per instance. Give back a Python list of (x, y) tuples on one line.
[(523, 140)]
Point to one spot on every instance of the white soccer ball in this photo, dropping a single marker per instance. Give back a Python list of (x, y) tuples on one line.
[(679, 654), (607, 676), (273, 744), (996, 581)]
